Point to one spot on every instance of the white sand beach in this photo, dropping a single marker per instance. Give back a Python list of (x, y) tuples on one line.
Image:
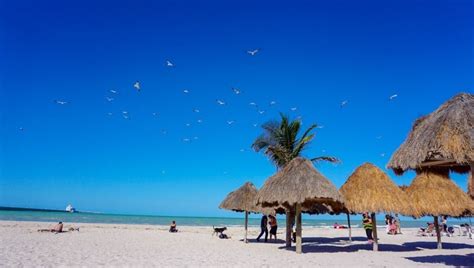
[(146, 245)]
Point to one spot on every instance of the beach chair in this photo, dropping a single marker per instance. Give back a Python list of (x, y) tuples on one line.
[(429, 231)]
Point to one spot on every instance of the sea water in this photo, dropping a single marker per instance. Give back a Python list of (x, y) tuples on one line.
[(84, 217)]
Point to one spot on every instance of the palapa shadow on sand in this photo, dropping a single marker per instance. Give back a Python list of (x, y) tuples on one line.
[(433, 245), (278, 241), (452, 260), (341, 244)]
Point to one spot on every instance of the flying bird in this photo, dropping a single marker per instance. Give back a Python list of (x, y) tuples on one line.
[(137, 85), (186, 139), (230, 122), (185, 91), (261, 111), (293, 109), (188, 124), (253, 104), (253, 52), (154, 114), (254, 124), (196, 110), (169, 63), (394, 96), (60, 102), (236, 91), (220, 102), (21, 129), (199, 121), (113, 91), (109, 99), (382, 154), (272, 103), (344, 103), (109, 114)]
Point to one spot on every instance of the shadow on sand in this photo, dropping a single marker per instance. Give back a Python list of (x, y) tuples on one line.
[(433, 245), (278, 241), (341, 244), (451, 260)]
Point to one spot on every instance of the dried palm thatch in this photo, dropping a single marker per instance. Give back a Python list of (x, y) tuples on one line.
[(442, 140), (370, 189), (434, 195), (242, 199), (300, 183)]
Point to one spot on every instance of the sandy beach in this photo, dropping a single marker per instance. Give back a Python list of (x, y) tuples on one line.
[(146, 245)]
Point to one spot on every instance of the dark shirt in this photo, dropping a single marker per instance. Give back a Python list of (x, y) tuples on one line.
[(263, 222)]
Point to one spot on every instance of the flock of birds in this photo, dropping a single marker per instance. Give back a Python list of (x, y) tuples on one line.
[(220, 102)]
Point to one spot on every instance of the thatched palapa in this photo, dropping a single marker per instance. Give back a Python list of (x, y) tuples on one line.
[(299, 183), (442, 140), (242, 199), (436, 195), (300, 187), (369, 189)]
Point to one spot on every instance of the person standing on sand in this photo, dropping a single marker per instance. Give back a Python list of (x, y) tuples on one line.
[(367, 223), (273, 226), (397, 224), (263, 228)]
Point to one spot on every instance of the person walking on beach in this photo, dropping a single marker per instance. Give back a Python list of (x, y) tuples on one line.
[(263, 228), (273, 227), (367, 223)]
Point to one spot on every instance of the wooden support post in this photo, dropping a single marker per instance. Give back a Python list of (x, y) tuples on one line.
[(438, 232), (289, 228), (299, 240), (246, 225), (470, 183), (374, 232), (350, 228)]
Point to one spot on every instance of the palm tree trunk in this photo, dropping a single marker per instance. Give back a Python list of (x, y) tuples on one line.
[(470, 184)]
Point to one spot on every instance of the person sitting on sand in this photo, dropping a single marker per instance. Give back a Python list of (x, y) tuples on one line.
[(173, 227), (427, 231), (367, 223), (58, 228), (339, 226), (273, 226)]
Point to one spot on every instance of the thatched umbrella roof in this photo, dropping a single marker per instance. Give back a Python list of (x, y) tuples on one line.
[(369, 189), (299, 183), (443, 139), (435, 195), (243, 199)]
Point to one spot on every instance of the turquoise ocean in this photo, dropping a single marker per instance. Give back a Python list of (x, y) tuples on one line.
[(84, 217)]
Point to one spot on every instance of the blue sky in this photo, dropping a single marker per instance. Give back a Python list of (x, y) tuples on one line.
[(313, 55)]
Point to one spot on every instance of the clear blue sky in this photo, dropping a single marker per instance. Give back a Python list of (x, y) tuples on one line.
[(313, 55)]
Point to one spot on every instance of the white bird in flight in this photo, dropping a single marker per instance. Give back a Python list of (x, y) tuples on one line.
[(169, 63), (109, 99), (185, 91), (188, 124), (393, 97), (261, 111), (230, 122), (253, 104), (199, 121), (344, 103), (254, 124), (137, 85), (272, 103), (186, 139), (21, 129), (109, 114), (236, 91), (220, 102), (253, 52), (113, 91), (61, 102), (293, 109), (196, 110)]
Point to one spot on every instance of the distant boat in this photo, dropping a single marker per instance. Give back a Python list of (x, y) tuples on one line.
[(70, 208)]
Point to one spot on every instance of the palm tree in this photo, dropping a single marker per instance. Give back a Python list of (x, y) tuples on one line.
[(280, 141)]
